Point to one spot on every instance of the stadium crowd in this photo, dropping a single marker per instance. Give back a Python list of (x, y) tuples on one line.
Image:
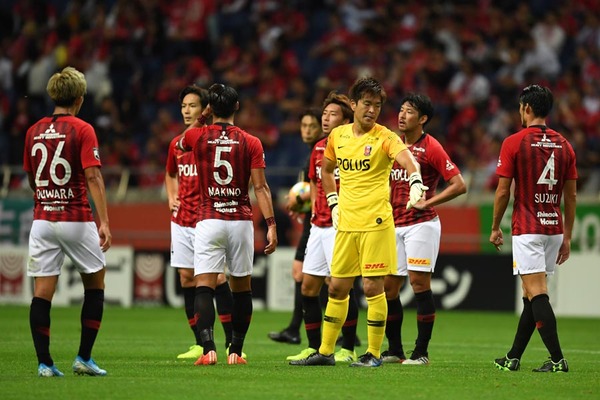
[(471, 57)]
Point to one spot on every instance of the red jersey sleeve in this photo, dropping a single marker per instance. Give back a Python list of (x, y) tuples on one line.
[(506, 164), (90, 155), (171, 160), (190, 138), (257, 153), (440, 161)]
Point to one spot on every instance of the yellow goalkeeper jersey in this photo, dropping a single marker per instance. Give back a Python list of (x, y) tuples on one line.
[(364, 166)]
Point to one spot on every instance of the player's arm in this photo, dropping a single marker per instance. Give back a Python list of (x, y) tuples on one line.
[(570, 199), (265, 203), (31, 180), (456, 186), (500, 203), (172, 187), (95, 185), (413, 169)]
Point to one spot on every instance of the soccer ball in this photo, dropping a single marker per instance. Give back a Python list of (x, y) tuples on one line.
[(299, 189)]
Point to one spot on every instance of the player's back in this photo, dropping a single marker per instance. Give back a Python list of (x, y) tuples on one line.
[(542, 160), (57, 150), (225, 156)]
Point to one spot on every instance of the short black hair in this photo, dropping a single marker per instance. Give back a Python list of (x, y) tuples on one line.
[(197, 90), (367, 85), (421, 103), (223, 100), (313, 112), (539, 98)]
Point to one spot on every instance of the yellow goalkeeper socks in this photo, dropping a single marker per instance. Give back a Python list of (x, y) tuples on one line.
[(376, 317), (335, 316)]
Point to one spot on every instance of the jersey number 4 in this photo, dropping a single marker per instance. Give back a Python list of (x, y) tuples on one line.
[(56, 161), (547, 176)]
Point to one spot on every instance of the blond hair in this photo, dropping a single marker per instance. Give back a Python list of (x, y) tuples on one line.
[(66, 86)]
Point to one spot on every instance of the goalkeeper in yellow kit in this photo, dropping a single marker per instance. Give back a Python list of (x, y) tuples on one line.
[(365, 243)]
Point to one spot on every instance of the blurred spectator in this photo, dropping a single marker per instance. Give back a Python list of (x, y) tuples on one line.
[(471, 57)]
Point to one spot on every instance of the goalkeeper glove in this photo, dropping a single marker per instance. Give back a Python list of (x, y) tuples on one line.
[(332, 202), (416, 189)]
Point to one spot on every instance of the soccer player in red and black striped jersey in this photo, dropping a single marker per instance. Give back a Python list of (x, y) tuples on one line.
[(62, 162), (181, 181), (542, 164), (228, 160), (417, 229)]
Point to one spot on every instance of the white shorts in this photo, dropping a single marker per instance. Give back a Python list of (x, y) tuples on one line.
[(50, 241), (319, 251), (219, 242), (418, 246), (533, 253), (182, 246)]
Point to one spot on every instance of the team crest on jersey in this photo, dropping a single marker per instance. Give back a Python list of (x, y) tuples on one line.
[(96, 153), (368, 150)]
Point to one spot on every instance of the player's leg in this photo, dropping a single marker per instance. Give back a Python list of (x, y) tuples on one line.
[(291, 334), (240, 258), (377, 251), (182, 258), (422, 243), (392, 285), (80, 242), (393, 326), (224, 300), (209, 261), (315, 269), (44, 263)]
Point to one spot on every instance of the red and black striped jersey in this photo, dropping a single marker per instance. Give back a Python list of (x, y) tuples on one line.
[(57, 151), (539, 160), (225, 155), (435, 163)]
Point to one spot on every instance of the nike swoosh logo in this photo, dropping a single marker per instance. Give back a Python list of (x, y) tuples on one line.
[(339, 147), (179, 156)]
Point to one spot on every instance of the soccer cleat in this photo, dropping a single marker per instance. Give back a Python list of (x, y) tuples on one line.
[(507, 364), (551, 366), (391, 356), (367, 360), (285, 336), (417, 358), (244, 356), (345, 355), (315, 358), (89, 367), (209, 358), (303, 354), (49, 371), (195, 351), (233, 359)]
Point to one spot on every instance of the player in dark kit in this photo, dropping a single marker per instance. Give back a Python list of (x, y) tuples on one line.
[(418, 229), (181, 181), (61, 160), (228, 159), (543, 166)]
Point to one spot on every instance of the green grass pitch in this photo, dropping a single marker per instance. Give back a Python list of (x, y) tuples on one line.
[(138, 348)]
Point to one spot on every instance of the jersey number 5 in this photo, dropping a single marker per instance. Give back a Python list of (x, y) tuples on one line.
[(222, 163), (56, 161), (547, 176)]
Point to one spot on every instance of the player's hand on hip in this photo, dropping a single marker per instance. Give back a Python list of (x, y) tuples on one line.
[(332, 202), (417, 189)]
